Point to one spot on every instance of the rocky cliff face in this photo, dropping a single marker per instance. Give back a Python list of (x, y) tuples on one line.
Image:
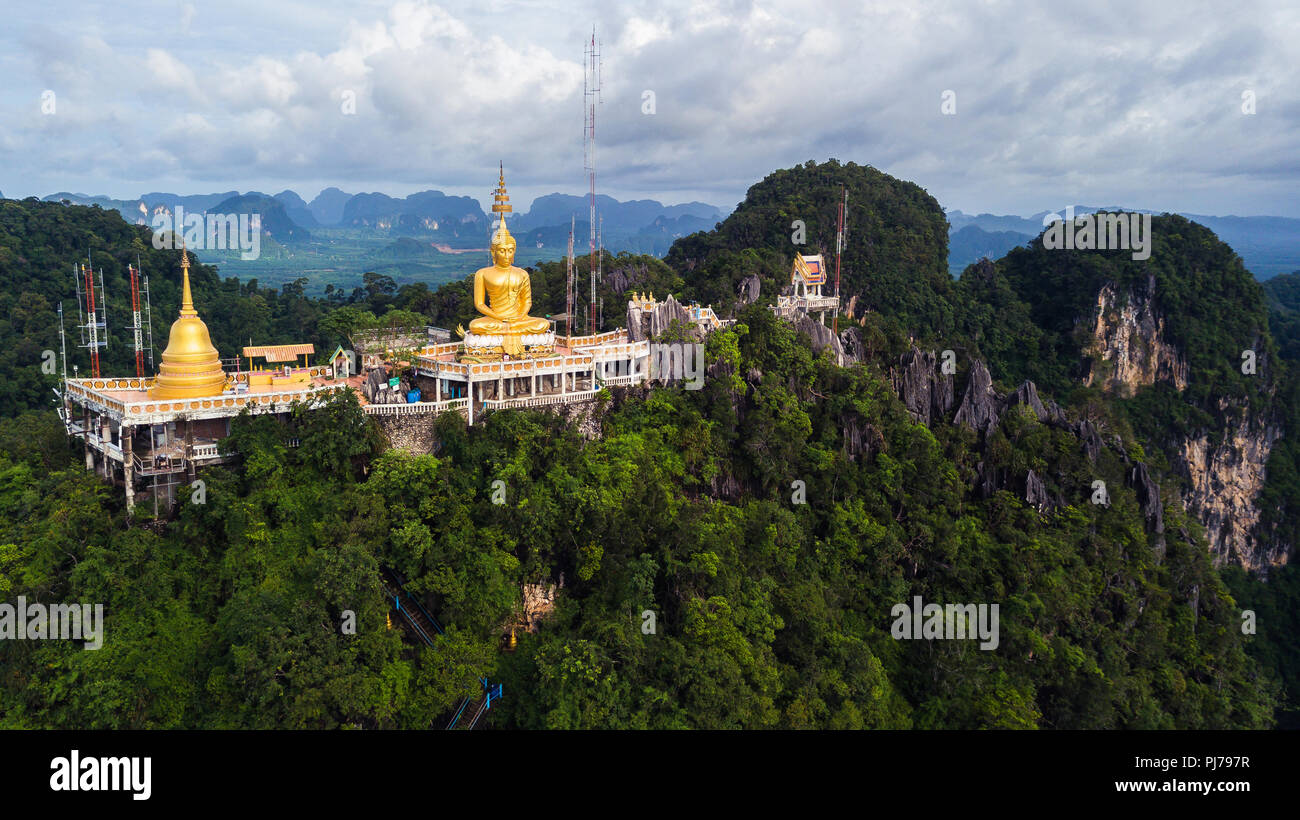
[(748, 290), (1224, 469), (1225, 474), (927, 393), (821, 337), (648, 324), (930, 397), (1129, 345)]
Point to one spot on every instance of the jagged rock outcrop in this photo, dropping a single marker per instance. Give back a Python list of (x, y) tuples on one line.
[(377, 378), (376, 390), (927, 393), (1148, 496), (979, 405), (851, 343), (725, 487), (625, 277), (748, 290), (1129, 344), (1225, 473), (1027, 394), (861, 439), (986, 480), (821, 336), (1036, 493), (1090, 439), (649, 324)]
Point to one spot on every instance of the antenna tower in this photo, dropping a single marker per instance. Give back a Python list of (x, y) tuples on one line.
[(92, 314), (839, 252), (591, 99), (568, 290), (140, 296), (64, 413)]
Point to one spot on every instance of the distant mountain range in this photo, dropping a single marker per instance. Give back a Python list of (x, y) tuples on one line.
[(1269, 245), (638, 226)]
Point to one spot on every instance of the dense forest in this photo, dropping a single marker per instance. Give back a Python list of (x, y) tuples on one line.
[(772, 603)]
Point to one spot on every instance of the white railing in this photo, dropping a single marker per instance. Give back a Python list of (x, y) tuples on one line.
[(416, 408), (619, 380), (791, 304), (206, 451), (539, 401)]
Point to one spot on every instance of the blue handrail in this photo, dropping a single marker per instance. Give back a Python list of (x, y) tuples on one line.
[(490, 692), (410, 620)]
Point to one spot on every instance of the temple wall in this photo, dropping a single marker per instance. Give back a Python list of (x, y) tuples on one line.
[(414, 433)]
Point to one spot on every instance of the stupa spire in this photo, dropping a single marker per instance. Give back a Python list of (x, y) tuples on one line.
[(501, 205), (187, 298)]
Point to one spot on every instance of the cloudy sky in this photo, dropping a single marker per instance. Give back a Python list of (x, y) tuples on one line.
[(1137, 104)]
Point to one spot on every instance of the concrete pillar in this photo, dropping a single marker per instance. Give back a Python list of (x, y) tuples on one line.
[(85, 437), (534, 391), (437, 386), (564, 383), (128, 468), (469, 388), (189, 450)]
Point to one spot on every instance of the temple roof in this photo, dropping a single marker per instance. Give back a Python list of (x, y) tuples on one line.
[(279, 353), (811, 268)]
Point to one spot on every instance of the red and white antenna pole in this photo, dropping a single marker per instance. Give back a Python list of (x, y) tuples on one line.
[(568, 288), (839, 252), (92, 325), (591, 98), (135, 320)]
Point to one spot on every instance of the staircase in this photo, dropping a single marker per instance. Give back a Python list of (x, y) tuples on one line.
[(419, 624)]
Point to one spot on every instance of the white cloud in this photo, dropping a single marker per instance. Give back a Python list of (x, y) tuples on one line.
[(1125, 101)]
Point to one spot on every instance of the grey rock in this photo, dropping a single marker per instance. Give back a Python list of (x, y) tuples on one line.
[(851, 344), (979, 405), (642, 325), (861, 439), (748, 289), (1027, 394), (1148, 497), (986, 480), (914, 381), (821, 336), (1087, 434), (1036, 493), (928, 394)]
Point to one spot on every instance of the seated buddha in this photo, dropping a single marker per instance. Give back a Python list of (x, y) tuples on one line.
[(503, 293)]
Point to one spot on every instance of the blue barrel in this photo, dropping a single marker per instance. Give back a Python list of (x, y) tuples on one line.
[(413, 396)]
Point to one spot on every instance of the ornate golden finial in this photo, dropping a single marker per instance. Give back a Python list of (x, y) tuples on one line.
[(501, 205), (187, 299)]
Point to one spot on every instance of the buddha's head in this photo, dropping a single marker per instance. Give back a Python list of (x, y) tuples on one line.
[(503, 247)]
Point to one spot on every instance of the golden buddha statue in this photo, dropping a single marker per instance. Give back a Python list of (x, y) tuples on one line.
[(503, 293), (190, 365)]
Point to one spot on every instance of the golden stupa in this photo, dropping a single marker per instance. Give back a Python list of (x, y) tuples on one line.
[(190, 365)]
